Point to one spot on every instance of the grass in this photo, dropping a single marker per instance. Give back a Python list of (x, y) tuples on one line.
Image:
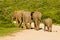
[(7, 31)]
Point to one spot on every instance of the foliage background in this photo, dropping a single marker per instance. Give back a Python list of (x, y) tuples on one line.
[(48, 8)]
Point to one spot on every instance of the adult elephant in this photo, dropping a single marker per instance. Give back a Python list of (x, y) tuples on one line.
[(37, 19), (17, 16), (27, 19)]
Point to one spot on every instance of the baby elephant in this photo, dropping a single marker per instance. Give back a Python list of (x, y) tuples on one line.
[(48, 24)]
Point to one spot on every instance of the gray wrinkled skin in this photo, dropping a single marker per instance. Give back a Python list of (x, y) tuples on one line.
[(48, 24), (37, 19)]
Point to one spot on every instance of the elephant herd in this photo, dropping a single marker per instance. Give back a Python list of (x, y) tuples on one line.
[(25, 18)]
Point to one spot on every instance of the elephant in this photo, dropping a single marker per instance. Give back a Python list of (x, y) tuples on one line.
[(48, 24), (36, 16), (27, 19), (17, 16), (23, 18)]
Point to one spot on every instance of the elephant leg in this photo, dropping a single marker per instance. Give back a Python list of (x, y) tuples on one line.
[(23, 26), (17, 23), (26, 26), (29, 25), (36, 25), (44, 28), (50, 29), (20, 22)]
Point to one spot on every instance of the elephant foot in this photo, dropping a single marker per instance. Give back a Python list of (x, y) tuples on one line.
[(44, 30), (28, 28), (24, 27), (32, 28), (49, 30), (36, 29)]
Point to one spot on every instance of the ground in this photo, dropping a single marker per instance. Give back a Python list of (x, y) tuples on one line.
[(32, 34)]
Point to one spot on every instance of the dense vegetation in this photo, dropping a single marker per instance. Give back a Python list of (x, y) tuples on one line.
[(49, 8)]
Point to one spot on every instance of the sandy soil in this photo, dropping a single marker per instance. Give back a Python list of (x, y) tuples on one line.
[(32, 34)]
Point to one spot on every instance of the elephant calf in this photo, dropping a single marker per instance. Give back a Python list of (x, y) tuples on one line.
[(48, 24), (37, 19)]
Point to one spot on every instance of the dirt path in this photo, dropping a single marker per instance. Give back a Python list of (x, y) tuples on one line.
[(35, 35)]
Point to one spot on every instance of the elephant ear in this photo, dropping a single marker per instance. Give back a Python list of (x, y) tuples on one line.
[(32, 15)]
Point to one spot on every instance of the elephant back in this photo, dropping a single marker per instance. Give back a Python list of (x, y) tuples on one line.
[(48, 21)]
